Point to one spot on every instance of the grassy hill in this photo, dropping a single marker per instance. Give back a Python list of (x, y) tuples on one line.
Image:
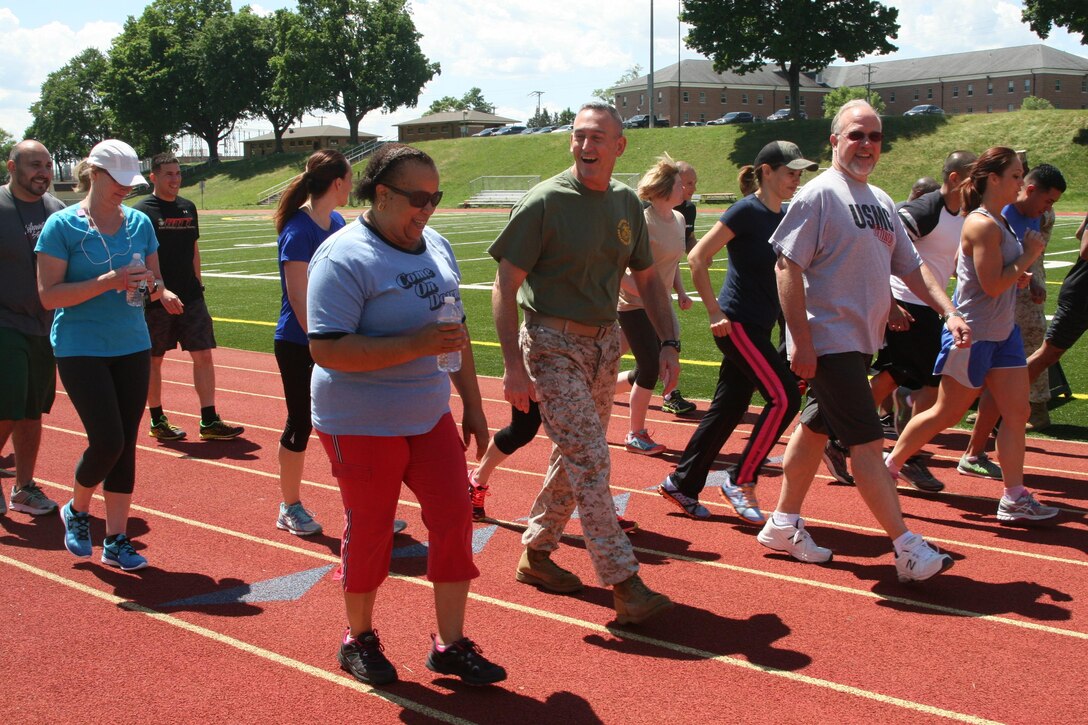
[(913, 147)]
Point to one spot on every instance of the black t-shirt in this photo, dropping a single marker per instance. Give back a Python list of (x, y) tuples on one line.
[(176, 227), (688, 210), (750, 292)]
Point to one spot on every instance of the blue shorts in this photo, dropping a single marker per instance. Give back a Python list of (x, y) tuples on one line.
[(969, 365)]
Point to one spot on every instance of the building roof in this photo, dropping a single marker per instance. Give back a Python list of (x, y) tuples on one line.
[(977, 63), (311, 132), (456, 117), (700, 72)]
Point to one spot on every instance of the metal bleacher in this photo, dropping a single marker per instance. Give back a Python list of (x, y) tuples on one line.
[(506, 191)]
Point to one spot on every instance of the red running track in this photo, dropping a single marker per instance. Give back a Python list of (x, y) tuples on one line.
[(755, 636)]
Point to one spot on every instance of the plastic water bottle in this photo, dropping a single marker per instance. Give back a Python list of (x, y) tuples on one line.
[(135, 297), (450, 362)]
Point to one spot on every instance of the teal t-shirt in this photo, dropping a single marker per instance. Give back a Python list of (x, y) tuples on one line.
[(105, 325), (575, 244)]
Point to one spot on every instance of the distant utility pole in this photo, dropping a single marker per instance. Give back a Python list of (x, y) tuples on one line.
[(650, 77), (538, 94)]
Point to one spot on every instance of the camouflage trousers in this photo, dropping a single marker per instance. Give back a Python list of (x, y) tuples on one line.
[(575, 380), (1032, 322)]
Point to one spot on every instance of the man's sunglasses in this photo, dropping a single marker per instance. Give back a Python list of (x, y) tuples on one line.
[(874, 136), (418, 199)]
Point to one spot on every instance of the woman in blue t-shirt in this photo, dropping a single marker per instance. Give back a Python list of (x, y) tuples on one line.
[(86, 271), (306, 217), (741, 320)]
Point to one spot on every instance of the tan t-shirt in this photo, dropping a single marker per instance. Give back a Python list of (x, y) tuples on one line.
[(667, 239)]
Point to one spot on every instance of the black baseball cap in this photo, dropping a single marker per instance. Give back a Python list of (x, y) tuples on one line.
[(784, 153)]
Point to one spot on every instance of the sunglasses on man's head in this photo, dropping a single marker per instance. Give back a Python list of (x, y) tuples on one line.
[(874, 136), (418, 199)]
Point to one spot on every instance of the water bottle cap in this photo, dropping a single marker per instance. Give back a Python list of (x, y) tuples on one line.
[(449, 299), (136, 255)]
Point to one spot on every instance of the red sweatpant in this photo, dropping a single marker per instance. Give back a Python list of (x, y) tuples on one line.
[(369, 471)]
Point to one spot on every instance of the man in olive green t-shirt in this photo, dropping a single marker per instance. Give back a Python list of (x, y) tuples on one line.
[(561, 257)]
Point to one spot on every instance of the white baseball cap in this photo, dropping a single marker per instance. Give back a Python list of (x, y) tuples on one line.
[(120, 160)]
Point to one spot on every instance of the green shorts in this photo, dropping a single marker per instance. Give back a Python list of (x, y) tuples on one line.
[(28, 375)]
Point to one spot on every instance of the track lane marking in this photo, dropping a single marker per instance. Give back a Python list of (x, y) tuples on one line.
[(242, 645)]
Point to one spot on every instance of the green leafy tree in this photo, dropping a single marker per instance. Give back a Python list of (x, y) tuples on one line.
[(1034, 103), (564, 117), (606, 95), (799, 36), (70, 115), (366, 56), (185, 66), (473, 100), (6, 142), (287, 88), (838, 97), (540, 119), (1042, 15)]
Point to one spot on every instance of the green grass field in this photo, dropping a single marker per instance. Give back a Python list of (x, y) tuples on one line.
[(238, 255)]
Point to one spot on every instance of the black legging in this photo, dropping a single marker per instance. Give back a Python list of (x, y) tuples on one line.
[(522, 429), (109, 393), (644, 345), (296, 367)]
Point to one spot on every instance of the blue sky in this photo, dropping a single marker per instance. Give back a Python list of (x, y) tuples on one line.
[(509, 48)]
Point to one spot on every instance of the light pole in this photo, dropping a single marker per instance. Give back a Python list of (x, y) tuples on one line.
[(650, 77), (464, 122)]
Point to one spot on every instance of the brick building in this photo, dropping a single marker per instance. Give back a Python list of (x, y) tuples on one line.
[(982, 81), (450, 124), (304, 140)]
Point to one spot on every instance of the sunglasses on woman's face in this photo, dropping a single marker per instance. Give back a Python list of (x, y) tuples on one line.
[(418, 199), (874, 136)]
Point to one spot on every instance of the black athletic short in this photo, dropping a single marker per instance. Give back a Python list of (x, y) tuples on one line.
[(909, 355), (840, 402), (1071, 316)]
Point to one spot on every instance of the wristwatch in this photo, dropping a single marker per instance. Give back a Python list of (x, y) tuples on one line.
[(953, 313), (671, 343)]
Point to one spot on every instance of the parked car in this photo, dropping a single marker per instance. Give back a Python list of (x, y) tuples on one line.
[(487, 131), (783, 114), (540, 129), (694, 123), (926, 109), (643, 121), (733, 117), (509, 130), (565, 128)]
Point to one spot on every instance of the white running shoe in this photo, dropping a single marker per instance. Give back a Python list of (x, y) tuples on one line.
[(919, 560), (793, 540)]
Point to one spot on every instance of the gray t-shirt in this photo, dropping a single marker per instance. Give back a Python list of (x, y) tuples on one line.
[(991, 318), (848, 240), (20, 224)]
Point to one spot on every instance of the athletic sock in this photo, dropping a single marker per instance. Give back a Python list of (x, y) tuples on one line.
[(439, 647), (780, 519), (893, 467), (208, 415), (900, 542), (156, 414), (1013, 494)]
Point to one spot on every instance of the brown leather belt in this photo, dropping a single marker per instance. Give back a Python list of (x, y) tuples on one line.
[(560, 324)]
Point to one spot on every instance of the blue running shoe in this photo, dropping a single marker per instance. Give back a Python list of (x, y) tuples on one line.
[(77, 531), (120, 553)]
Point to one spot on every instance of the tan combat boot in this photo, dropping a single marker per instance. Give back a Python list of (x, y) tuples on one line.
[(635, 602), (1039, 418), (538, 569)]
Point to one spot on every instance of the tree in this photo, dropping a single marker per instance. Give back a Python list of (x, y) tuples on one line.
[(838, 97), (7, 141), (1041, 15), (366, 54), (540, 119), (1034, 103), (605, 94), (70, 115), (564, 117), (287, 89), (473, 100), (800, 36), (185, 66)]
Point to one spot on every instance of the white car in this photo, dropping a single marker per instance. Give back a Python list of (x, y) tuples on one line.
[(564, 129)]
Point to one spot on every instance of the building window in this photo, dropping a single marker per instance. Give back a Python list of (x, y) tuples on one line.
[(787, 101), (759, 99), (702, 97), (641, 99), (1012, 107), (989, 88), (1027, 85), (1084, 85), (686, 98), (970, 89), (744, 99), (802, 101), (970, 109), (624, 99), (989, 108), (891, 97), (929, 93), (685, 119), (659, 96), (916, 94), (723, 99), (955, 91), (702, 117), (1057, 85), (1012, 87)]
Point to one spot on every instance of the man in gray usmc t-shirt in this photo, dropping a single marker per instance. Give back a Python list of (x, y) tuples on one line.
[(838, 243), (27, 369)]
